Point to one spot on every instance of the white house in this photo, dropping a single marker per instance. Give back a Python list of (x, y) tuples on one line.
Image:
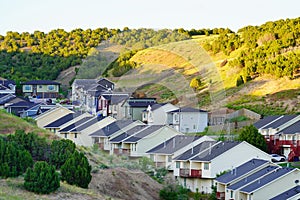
[(198, 167), (188, 120), (157, 114)]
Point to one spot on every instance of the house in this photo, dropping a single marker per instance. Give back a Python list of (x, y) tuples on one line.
[(137, 141), (188, 120), (6, 98), (85, 92), (256, 179), (198, 167), (280, 132), (291, 194), (134, 107), (65, 121), (41, 90), (110, 104), (101, 136), (23, 109), (32, 111), (7, 86), (52, 115), (164, 153), (157, 114)]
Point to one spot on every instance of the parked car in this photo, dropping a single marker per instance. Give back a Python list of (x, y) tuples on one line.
[(277, 158)]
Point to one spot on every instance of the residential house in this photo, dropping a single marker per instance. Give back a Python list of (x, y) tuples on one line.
[(198, 167), (164, 153), (157, 114), (280, 132), (5, 99), (41, 90), (7, 87), (24, 109), (110, 104), (134, 107), (65, 121), (188, 120), (101, 136), (52, 115), (256, 179), (291, 194), (85, 92), (138, 140)]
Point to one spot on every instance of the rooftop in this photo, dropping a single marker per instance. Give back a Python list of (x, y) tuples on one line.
[(187, 109), (111, 128), (75, 124), (57, 123), (41, 82), (294, 192), (266, 120), (128, 133), (145, 132)]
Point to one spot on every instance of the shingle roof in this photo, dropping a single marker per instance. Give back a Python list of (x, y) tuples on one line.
[(111, 128), (88, 123), (215, 151), (241, 170), (292, 129), (145, 132), (187, 109), (5, 98), (41, 82), (141, 102), (57, 123), (266, 179), (106, 83), (115, 98), (6, 83), (253, 177), (128, 133), (174, 144), (288, 194), (280, 121), (195, 150), (75, 124), (24, 104), (266, 120)]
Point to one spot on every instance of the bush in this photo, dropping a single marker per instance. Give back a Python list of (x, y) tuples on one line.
[(239, 81), (42, 179), (76, 170), (61, 150), (174, 192)]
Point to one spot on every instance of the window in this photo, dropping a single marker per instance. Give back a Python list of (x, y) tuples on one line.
[(206, 166), (40, 86), (169, 158), (231, 194), (152, 157), (50, 87), (27, 87), (75, 135), (177, 165), (66, 135), (194, 126)]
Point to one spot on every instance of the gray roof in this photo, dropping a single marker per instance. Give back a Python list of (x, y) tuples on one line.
[(215, 151), (279, 172), (195, 150), (266, 120), (292, 129), (111, 128), (57, 123), (288, 194), (75, 124), (252, 177), (174, 144), (5, 98), (41, 82), (7, 83), (187, 109), (241, 170), (128, 133), (88, 123), (115, 98), (280, 121), (145, 132)]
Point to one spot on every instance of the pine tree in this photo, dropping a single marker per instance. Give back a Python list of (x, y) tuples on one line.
[(61, 150)]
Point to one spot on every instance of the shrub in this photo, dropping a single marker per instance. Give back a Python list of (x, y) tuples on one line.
[(76, 170), (173, 192), (61, 150), (42, 179), (239, 81)]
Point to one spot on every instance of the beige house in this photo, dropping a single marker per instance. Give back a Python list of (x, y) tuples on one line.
[(52, 115)]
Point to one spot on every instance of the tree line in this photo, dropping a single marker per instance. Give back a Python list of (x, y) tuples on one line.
[(44, 163)]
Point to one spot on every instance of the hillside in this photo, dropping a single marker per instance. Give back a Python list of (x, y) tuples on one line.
[(123, 179)]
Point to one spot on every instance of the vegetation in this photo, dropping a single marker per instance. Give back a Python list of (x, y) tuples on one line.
[(42, 179), (174, 192), (61, 150), (76, 170), (251, 135)]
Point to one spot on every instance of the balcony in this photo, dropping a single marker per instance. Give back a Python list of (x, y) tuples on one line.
[(193, 173)]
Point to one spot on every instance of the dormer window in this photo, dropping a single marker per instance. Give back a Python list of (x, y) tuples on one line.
[(27, 87), (51, 87)]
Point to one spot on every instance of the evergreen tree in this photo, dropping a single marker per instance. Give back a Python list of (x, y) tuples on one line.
[(61, 151), (251, 135), (42, 179), (76, 170)]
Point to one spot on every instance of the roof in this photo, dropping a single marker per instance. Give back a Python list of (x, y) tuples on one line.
[(5, 98), (128, 133), (266, 120), (253, 177), (215, 151), (111, 128), (75, 124), (241, 170), (57, 123), (141, 102), (115, 98), (292, 129), (41, 82), (195, 150), (145, 132), (280, 121), (288, 194), (25, 104), (7, 83), (279, 172), (88, 123), (106, 83), (174, 144), (187, 109), (85, 83)]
